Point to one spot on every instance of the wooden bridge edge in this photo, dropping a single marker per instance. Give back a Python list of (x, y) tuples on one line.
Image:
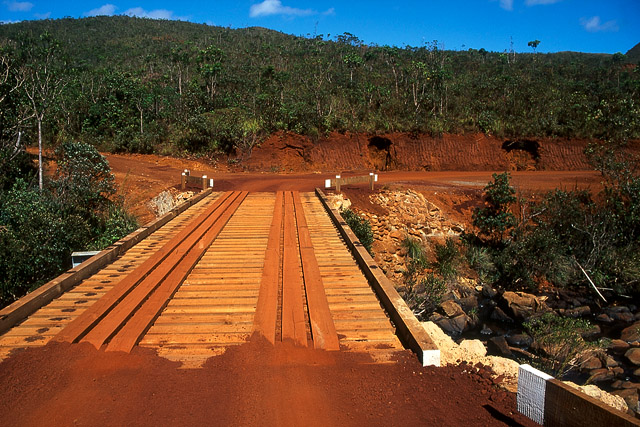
[(408, 329), (14, 313)]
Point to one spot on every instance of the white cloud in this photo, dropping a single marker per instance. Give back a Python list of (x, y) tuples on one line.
[(19, 6), (42, 15), (153, 14), (330, 11), (8, 22), (536, 2), (275, 7), (104, 10), (594, 25), (506, 4)]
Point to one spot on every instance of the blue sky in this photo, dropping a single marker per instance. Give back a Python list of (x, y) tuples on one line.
[(607, 26)]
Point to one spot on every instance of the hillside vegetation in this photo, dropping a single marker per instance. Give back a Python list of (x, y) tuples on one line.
[(139, 85)]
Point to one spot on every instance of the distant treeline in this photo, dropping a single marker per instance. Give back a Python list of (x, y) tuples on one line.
[(139, 85)]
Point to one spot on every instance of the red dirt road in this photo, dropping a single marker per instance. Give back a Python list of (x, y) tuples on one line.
[(142, 177), (253, 384)]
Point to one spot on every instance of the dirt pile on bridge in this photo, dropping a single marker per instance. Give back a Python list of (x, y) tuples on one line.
[(63, 384)]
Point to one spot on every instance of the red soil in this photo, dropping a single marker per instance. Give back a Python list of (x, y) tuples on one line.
[(253, 384)]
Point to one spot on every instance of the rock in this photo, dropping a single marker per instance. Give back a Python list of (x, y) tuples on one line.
[(636, 373), (456, 325), (617, 384), (610, 362), (451, 308), (618, 346), (600, 375), (618, 371), (633, 356), (631, 333), (469, 303), (620, 313), (522, 305), (604, 318), (500, 315), (474, 347), (590, 364), (630, 397), (581, 311), (489, 292), (591, 332), (629, 384), (397, 235), (499, 346), (520, 340)]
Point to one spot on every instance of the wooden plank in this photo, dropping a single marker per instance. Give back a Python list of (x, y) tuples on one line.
[(131, 332), (82, 324), (293, 324), (323, 329), (19, 310), (408, 328)]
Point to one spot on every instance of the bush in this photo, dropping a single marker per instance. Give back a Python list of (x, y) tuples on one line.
[(447, 259), (560, 339), (360, 227), (495, 218), (40, 229)]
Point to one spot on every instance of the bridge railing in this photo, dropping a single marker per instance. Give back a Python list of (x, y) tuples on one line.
[(339, 181), (196, 181)]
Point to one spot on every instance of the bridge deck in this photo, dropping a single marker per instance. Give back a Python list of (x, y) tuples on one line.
[(278, 253)]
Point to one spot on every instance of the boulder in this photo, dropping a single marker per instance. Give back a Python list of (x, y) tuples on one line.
[(469, 303), (631, 333), (630, 396), (451, 309), (601, 375), (604, 318), (489, 292), (474, 347), (498, 345), (581, 311), (593, 331), (610, 362), (620, 313), (591, 364), (636, 373), (455, 325), (521, 305), (633, 356), (500, 315), (520, 340), (618, 346)]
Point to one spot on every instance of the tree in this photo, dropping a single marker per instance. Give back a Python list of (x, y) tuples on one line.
[(42, 71), (533, 44), (495, 217)]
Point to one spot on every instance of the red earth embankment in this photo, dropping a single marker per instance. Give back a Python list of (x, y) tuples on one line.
[(403, 151)]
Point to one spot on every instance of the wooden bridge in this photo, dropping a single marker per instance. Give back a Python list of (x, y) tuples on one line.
[(218, 270)]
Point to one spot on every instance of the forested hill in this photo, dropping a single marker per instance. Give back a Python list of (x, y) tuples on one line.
[(141, 85)]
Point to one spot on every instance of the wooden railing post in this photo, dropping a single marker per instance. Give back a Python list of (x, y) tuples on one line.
[(204, 182), (338, 184)]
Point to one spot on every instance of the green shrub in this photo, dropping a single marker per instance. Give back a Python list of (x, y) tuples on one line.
[(447, 259), (415, 251), (495, 218), (560, 341), (360, 227)]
